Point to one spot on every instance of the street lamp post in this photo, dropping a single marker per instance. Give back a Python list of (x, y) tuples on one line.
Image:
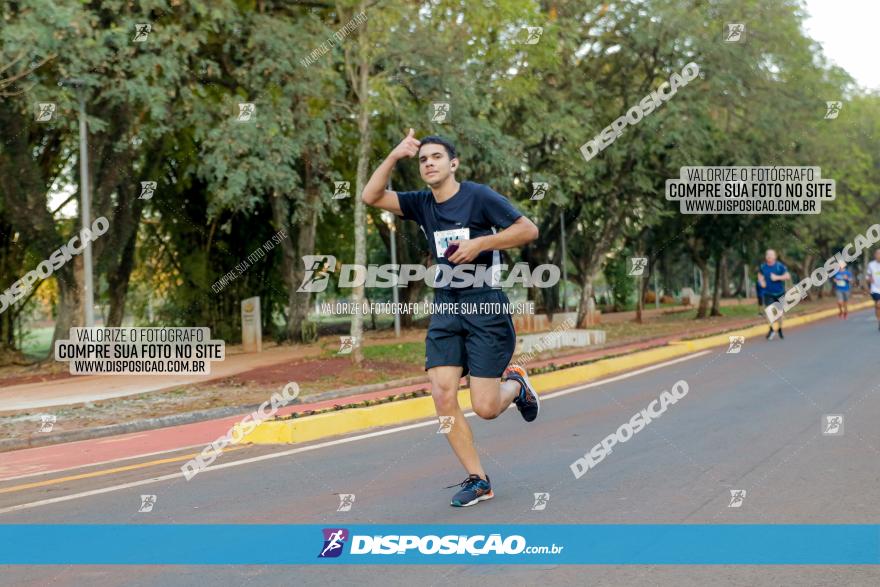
[(564, 269), (656, 290), (388, 218), (85, 200)]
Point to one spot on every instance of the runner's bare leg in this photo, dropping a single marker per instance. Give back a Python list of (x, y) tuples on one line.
[(444, 390), (490, 397)]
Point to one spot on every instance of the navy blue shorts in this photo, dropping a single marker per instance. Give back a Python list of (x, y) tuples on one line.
[(770, 299), (476, 334), (875, 296)]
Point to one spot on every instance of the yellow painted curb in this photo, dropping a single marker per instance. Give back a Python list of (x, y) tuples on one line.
[(355, 419), (342, 421)]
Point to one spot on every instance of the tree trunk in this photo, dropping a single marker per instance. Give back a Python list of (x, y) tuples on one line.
[(307, 222), (703, 308), (362, 91), (70, 301), (117, 282), (586, 316), (720, 262), (413, 292), (114, 252), (725, 277), (292, 269), (804, 270), (11, 258), (640, 297), (741, 289)]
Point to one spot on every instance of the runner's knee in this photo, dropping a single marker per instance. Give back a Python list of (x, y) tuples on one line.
[(445, 395), (487, 410)]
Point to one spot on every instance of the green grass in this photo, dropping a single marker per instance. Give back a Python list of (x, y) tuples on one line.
[(401, 352), (740, 310), (398, 352)]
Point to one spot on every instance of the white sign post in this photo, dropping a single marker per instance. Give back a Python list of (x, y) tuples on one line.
[(251, 326)]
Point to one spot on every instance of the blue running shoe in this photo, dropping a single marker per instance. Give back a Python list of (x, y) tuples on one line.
[(473, 490), (527, 402)]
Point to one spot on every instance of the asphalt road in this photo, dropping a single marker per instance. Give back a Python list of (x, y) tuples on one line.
[(750, 421)]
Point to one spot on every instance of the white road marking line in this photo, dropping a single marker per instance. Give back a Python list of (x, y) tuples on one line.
[(336, 442), (624, 376), (34, 504)]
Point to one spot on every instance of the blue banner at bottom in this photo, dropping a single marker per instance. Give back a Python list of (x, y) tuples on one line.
[(590, 544)]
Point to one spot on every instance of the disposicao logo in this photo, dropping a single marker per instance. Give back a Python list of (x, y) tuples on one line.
[(334, 540)]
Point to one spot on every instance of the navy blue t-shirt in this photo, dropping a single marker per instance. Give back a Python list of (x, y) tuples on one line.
[(475, 210), (774, 288)]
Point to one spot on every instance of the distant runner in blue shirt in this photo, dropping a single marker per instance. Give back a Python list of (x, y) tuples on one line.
[(771, 279), (842, 280)]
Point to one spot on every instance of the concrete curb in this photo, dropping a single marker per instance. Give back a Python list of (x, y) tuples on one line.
[(298, 430)]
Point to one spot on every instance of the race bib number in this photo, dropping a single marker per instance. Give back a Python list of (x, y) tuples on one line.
[(442, 238)]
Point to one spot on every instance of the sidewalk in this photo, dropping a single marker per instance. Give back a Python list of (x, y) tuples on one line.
[(90, 388), (33, 391)]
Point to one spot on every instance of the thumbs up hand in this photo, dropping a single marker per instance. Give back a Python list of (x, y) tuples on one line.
[(408, 147)]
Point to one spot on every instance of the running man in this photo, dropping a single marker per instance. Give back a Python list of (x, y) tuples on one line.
[(874, 282), (460, 221), (842, 280), (771, 278)]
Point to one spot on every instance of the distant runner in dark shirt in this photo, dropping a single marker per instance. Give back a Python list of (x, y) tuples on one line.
[(771, 279)]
